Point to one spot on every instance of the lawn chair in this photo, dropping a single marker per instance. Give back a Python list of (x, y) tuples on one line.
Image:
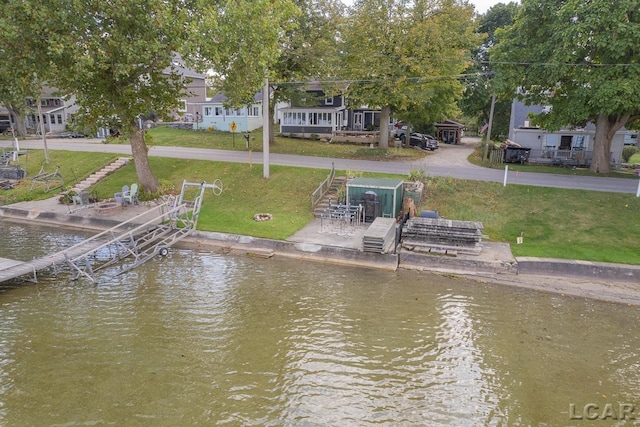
[(81, 199), (131, 196), (119, 197)]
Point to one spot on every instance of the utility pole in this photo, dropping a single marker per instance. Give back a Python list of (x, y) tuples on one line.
[(266, 122), (41, 117), (486, 141)]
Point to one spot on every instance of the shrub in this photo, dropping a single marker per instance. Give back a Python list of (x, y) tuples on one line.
[(629, 151), (353, 174), (315, 137), (418, 175)]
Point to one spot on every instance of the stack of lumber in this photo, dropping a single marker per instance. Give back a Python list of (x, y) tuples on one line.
[(380, 237), (442, 234)]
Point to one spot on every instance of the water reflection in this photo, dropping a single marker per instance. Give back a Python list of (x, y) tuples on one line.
[(201, 338)]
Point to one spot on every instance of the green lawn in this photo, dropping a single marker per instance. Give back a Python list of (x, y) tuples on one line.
[(557, 223), (163, 136)]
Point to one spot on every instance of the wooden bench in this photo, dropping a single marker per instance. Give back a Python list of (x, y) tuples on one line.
[(49, 180)]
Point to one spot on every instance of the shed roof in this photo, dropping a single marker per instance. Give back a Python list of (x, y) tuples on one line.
[(377, 183)]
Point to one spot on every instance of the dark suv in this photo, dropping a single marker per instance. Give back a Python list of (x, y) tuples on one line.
[(424, 141)]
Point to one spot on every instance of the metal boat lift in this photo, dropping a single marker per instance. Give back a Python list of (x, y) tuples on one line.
[(138, 240)]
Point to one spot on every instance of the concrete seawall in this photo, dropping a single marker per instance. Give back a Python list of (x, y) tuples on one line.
[(496, 261), (587, 269)]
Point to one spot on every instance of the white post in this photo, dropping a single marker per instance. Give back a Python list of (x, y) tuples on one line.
[(265, 127), (638, 190), (506, 169)]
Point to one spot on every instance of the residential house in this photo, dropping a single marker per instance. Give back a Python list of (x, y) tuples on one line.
[(191, 108), (57, 112), (328, 114), (568, 146), (217, 116)]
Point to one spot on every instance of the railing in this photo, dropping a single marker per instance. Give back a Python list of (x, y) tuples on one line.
[(323, 188), (558, 157), (549, 156)]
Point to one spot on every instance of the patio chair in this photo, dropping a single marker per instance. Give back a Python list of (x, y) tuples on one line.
[(119, 197), (81, 199), (131, 196)]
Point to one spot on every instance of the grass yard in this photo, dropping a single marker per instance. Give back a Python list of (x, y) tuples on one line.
[(164, 136), (556, 223), (74, 167), (285, 195)]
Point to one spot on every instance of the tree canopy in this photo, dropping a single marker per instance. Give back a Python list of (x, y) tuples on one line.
[(407, 56), (476, 101), (581, 58), (116, 57)]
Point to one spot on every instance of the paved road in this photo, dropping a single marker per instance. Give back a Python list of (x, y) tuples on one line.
[(449, 160)]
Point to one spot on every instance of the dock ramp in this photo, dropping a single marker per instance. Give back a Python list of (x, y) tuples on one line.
[(128, 244)]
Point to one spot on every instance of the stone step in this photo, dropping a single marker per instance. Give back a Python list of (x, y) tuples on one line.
[(102, 173)]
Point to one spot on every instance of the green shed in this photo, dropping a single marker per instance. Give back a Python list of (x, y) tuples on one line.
[(380, 197)]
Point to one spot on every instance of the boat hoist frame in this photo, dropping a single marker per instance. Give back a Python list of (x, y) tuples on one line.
[(141, 238)]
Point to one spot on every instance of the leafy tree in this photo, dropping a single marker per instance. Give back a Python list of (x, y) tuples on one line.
[(476, 101), (23, 44), (581, 58), (116, 57), (296, 47), (241, 41), (407, 56), (308, 52)]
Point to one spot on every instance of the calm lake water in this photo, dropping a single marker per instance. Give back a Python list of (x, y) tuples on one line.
[(200, 338)]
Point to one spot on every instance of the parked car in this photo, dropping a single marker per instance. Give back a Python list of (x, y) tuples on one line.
[(424, 141)]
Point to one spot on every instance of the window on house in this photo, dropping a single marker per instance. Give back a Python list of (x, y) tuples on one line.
[(254, 111), (44, 119), (218, 111), (207, 111), (298, 119), (228, 112), (53, 119), (56, 102), (59, 116), (183, 106), (239, 112), (328, 101)]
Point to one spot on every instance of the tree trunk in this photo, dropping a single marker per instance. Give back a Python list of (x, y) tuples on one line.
[(21, 127), (148, 180), (385, 116), (271, 112), (606, 127)]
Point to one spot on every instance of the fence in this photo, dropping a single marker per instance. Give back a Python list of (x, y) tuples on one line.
[(549, 156)]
